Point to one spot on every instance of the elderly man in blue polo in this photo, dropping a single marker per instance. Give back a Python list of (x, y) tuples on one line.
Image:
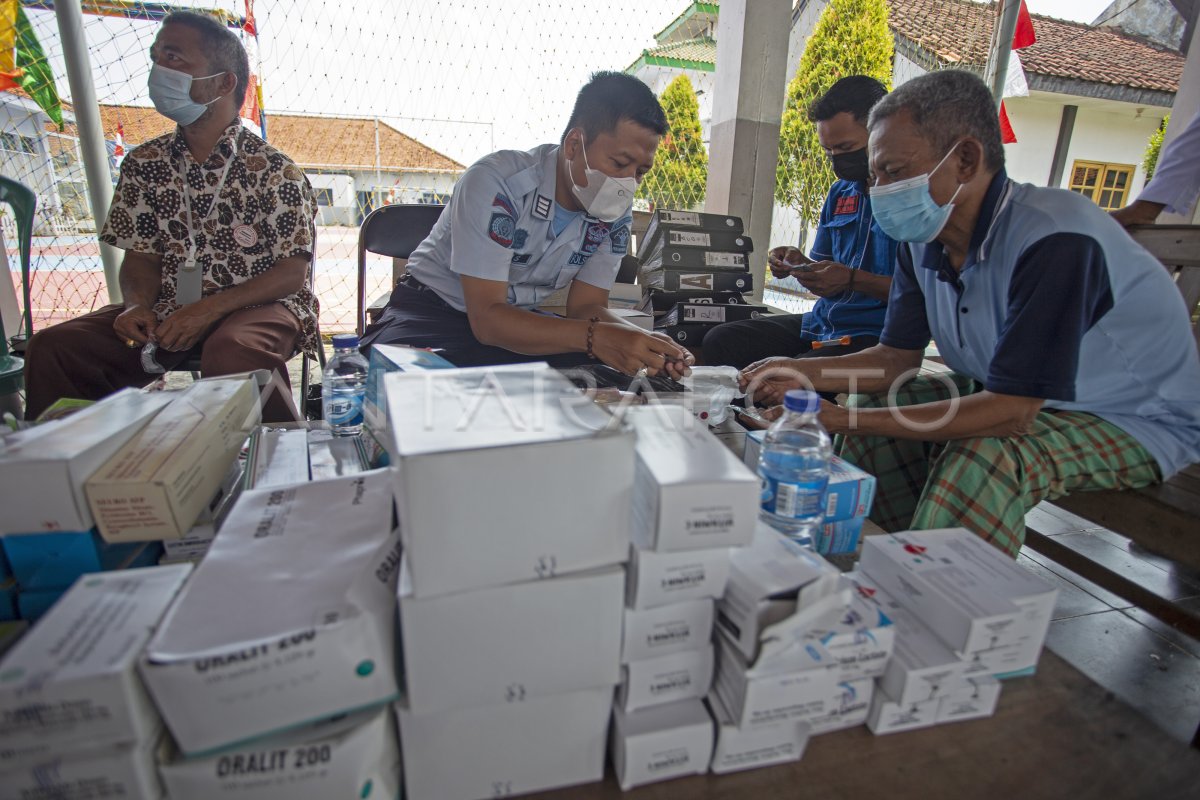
[(1074, 364)]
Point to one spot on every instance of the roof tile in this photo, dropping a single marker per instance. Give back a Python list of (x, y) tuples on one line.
[(959, 32)]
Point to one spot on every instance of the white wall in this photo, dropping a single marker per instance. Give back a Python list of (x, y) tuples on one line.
[(904, 69), (659, 78), (1113, 136)]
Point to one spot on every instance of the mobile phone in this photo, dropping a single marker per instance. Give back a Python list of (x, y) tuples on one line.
[(749, 417)]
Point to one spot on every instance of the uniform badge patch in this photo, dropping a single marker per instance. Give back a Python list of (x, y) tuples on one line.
[(519, 238), (502, 229), (541, 205), (619, 239), (578, 259), (846, 205), (502, 202), (521, 259), (594, 235)]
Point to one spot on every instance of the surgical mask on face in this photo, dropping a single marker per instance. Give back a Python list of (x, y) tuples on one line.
[(606, 198), (852, 166), (171, 93), (907, 212)]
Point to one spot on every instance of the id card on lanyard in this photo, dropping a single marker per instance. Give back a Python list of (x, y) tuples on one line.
[(189, 283)]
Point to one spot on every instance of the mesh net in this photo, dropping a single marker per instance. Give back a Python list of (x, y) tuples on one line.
[(380, 101), (384, 101)]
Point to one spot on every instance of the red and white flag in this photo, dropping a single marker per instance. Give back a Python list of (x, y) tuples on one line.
[(119, 150), (1015, 82)]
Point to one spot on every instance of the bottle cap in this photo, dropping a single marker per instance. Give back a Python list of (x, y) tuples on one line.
[(801, 401), (344, 340)]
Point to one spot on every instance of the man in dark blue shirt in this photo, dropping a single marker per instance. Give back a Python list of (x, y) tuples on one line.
[(851, 262)]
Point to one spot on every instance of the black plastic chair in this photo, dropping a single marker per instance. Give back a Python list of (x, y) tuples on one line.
[(394, 231)]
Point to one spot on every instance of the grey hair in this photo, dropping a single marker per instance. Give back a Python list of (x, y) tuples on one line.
[(222, 47), (946, 106)]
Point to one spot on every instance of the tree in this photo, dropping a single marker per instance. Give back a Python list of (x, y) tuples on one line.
[(680, 170), (850, 38), (1150, 160)]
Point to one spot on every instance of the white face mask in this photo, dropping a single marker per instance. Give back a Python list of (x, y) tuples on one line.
[(606, 198), (171, 93)]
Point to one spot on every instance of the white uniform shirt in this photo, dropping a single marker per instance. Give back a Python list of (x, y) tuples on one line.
[(1176, 181), (498, 226)]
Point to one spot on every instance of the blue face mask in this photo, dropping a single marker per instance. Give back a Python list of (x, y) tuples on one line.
[(907, 212), (171, 93)]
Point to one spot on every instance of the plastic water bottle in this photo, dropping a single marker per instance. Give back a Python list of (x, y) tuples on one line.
[(344, 385), (794, 467)]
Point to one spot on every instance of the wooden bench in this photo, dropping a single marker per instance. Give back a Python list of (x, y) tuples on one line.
[(1163, 519)]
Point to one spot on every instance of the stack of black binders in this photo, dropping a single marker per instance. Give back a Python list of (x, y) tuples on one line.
[(695, 269)]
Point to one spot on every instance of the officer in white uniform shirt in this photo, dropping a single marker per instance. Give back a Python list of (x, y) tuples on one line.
[(522, 225)]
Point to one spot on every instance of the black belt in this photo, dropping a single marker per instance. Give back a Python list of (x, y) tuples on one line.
[(410, 282)]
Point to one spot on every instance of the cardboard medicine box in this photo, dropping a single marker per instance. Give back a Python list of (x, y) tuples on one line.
[(739, 748), (659, 579), (160, 481), (289, 619), (660, 743), (690, 492), (510, 643), (666, 679), (72, 680), (508, 749), (43, 469), (515, 446), (353, 756), (653, 632)]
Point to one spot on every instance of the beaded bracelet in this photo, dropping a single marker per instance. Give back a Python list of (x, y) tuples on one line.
[(591, 333)]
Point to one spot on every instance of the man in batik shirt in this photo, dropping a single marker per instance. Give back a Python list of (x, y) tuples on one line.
[(217, 229)]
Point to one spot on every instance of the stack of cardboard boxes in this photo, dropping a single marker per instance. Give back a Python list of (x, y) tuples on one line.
[(509, 487), (964, 614), (695, 269), (692, 502), (75, 720), (848, 499), (275, 668), (100, 489)]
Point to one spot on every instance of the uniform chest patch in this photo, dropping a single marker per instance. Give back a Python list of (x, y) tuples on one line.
[(846, 205)]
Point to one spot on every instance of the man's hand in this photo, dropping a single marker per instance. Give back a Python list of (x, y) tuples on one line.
[(187, 326), (783, 260), (136, 324), (825, 278), (1139, 212), (834, 418), (628, 349), (768, 380)]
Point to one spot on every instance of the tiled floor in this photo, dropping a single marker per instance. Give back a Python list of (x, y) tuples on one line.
[(1142, 661)]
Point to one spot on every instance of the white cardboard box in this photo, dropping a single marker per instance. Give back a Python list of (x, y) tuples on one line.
[(277, 458), (508, 749), (659, 579), (768, 582), (510, 643), (922, 667), (849, 493), (126, 771), (43, 469), (654, 632), (969, 593), (353, 756), (890, 716), (756, 746), (801, 694), (660, 743), (855, 632), (690, 493), (290, 618), (71, 681), (477, 452), (976, 699), (158, 483), (666, 679)]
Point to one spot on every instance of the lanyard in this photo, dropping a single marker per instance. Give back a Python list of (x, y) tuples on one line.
[(188, 287)]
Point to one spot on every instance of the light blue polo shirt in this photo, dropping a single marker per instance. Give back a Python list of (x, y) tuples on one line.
[(499, 226), (1056, 301)]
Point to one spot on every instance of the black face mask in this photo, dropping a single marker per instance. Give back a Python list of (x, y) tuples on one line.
[(852, 166)]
